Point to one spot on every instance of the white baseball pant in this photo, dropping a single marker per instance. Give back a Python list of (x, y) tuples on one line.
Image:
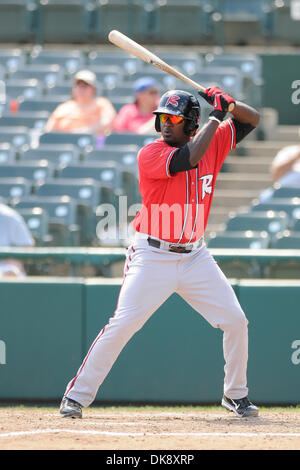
[(151, 275)]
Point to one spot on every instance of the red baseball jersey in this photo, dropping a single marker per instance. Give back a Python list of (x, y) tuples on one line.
[(175, 208)]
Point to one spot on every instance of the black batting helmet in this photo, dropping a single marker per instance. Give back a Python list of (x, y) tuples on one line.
[(180, 103)]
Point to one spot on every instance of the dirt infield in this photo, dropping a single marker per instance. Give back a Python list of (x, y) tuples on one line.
[(117, 428)]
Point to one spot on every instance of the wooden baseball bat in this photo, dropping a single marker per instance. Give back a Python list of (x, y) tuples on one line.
[(124, 42)]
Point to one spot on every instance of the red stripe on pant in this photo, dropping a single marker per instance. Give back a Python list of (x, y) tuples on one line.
[(95, 341)]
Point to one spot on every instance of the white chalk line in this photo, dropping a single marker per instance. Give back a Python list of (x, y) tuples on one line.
[(152, 434)]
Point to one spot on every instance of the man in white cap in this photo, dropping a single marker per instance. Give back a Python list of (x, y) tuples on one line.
[(85, 112)]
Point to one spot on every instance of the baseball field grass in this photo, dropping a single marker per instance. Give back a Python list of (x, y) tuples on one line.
[(148, 427)]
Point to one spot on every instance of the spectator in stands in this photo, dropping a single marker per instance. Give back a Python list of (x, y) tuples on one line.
[(85, 112), (137, 117), (13, 232), (285, 170)]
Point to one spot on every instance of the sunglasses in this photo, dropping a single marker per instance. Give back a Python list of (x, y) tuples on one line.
[(174, 119)]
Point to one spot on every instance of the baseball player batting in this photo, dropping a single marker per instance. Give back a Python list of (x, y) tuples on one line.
[(177, 176)]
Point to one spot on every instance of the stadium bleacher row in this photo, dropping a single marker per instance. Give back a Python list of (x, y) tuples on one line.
[(156, 21)]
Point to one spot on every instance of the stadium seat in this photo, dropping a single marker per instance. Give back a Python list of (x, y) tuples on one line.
[(59, 90), (64, 21), (129, 17), (108, 76), (31, 170), (240, 239), (296, 225), (82, 140), (285, 192), (55, 154), (16, 136), (47, 104), (23, 89), (228, 78), (11, 59), (48, 75), (7, 153), (108, 173), (289, 205), (177, 22), (119, 101), (188, 63), (286, 24), (62, 212), (14, 187), (125, 61), (16, 20), (70, 61), (288, 240), (242, 22), (269, 221), (123, 155), (129, 138), (37, 221), (27, 119)]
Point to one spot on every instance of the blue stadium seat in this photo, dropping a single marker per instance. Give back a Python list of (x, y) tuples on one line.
[(16, 136), (46, 74), (47, 104), (285, 192), (27, 119), (23, 89), (125, 61), (128, 138), (81, 140), (12, 59), (289, 205), (240, 239), (123, 155), (7, 153), (70, 61), (14, 187)]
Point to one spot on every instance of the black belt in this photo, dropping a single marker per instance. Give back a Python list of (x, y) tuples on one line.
[(172, 247)]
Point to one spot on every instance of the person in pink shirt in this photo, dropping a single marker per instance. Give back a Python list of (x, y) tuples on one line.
[(138, 117)]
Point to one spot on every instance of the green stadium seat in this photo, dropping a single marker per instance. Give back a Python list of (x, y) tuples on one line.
[(123, 155), (48, 75), (242, 22), (240, 239), (228, 78), (26, 119), (62, 212), (70, 61), (128, 138), (7, 153), (269, 221), (123, 89), (285, 192), (16, 136), (129, 17), (119, 101), (23, 89), (55, 154), (37, 220), (87, 193), (188, 63), (47, 104), (59, 90), (288, 240), (296, 225), (177, 22), (14, 187), (289, 205), (81, 140), (31, 170), (16, 20), (285, 23), (64, 21)]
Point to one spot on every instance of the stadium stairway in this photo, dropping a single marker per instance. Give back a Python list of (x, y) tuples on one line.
[(245, 175)]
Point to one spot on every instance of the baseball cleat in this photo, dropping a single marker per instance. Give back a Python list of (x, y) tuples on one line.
[(242, 407), (70, 408)]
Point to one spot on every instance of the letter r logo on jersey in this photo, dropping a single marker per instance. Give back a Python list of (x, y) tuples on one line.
[(206, 185), (173, 100)]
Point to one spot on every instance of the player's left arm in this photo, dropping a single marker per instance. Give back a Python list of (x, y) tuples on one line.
[(245, 119)]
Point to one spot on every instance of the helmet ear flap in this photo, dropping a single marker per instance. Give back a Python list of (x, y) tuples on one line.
[(157, 123)]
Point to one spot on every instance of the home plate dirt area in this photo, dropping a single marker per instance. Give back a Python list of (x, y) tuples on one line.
[(146, 428)]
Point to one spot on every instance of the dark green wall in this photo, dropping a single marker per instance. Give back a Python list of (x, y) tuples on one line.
[(47, 326)]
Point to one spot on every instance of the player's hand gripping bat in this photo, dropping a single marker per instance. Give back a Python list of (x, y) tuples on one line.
[(122, 41)]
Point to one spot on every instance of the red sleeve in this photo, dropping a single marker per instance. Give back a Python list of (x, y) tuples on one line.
[(154, 160), (225, 141)]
